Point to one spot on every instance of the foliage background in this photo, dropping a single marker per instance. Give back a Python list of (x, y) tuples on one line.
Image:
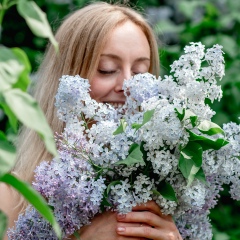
[(176, 23)]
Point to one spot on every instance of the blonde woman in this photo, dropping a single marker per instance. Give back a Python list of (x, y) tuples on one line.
[(105, 44)]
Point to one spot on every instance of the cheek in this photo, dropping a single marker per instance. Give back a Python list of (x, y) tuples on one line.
[(100, 88)]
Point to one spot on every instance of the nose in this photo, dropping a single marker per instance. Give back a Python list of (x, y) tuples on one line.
[(125, 75)]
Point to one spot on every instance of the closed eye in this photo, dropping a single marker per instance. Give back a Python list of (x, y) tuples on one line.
[(106, 72), (135, 73)]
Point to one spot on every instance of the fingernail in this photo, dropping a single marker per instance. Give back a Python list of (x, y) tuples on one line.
[(121, 229), (121, 216)]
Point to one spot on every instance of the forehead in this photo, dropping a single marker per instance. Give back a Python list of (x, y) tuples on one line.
[(127, 38)]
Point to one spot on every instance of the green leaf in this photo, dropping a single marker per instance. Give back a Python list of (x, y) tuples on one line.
[(193, 120), (3, 224), (99, 174), (27, 110), (10, 68), (188, 168), (210, 40), (188, 8), (77, 235), (193, 151), (11, 116), (105, 203), (184, 114), (225, 20), (34, 198), (143, 151), (23, 80), (167, 191), (36, 20), (132, 147), (229, 45), (146, 118), (201, 176), (180, 113), (172, 50), (167, 26), (155, 192), (112, 184), (121, 128), (135, 156), (7, 156), (2, 136), (235, 15), (188, 115), (211, 9), (96, 167), (209, 128), (207, 143)]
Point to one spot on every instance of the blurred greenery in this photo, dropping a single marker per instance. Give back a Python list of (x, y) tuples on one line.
[(176, 23)]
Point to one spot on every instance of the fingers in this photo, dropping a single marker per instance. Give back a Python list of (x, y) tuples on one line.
[(149, 222), (151, 206), (149, 233), (147, 206), (103, 227), (145, 217)]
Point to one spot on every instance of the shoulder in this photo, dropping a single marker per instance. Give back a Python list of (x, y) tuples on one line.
[(9, 203)]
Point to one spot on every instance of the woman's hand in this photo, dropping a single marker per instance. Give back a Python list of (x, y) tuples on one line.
[(103, 227), (151, 223), (145, 222)]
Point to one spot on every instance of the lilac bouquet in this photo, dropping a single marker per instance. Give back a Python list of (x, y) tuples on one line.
[(160, 145)]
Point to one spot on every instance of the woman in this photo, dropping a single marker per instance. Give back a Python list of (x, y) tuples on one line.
[(105, 44)]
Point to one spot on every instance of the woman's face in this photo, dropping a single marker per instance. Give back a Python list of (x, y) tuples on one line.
[(125, 54)]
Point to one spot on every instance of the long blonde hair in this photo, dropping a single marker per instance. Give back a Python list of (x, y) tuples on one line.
[(81, 39)]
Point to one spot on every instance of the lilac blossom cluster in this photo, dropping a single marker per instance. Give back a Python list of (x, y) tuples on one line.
[(160, 145)]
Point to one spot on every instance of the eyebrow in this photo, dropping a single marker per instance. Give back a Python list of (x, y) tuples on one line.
[(118, 58)]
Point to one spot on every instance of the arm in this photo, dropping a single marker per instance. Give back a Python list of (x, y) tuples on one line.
[(9, 204)]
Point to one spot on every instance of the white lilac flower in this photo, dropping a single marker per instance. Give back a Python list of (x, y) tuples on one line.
[(187, 68), (71, 95), (142, 189), (106, 147), (194, 195), (194, 225), (163, 162), (167, 127), (140, 87), (122, 197), (214, 56), (169, 89), (167, 206)]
